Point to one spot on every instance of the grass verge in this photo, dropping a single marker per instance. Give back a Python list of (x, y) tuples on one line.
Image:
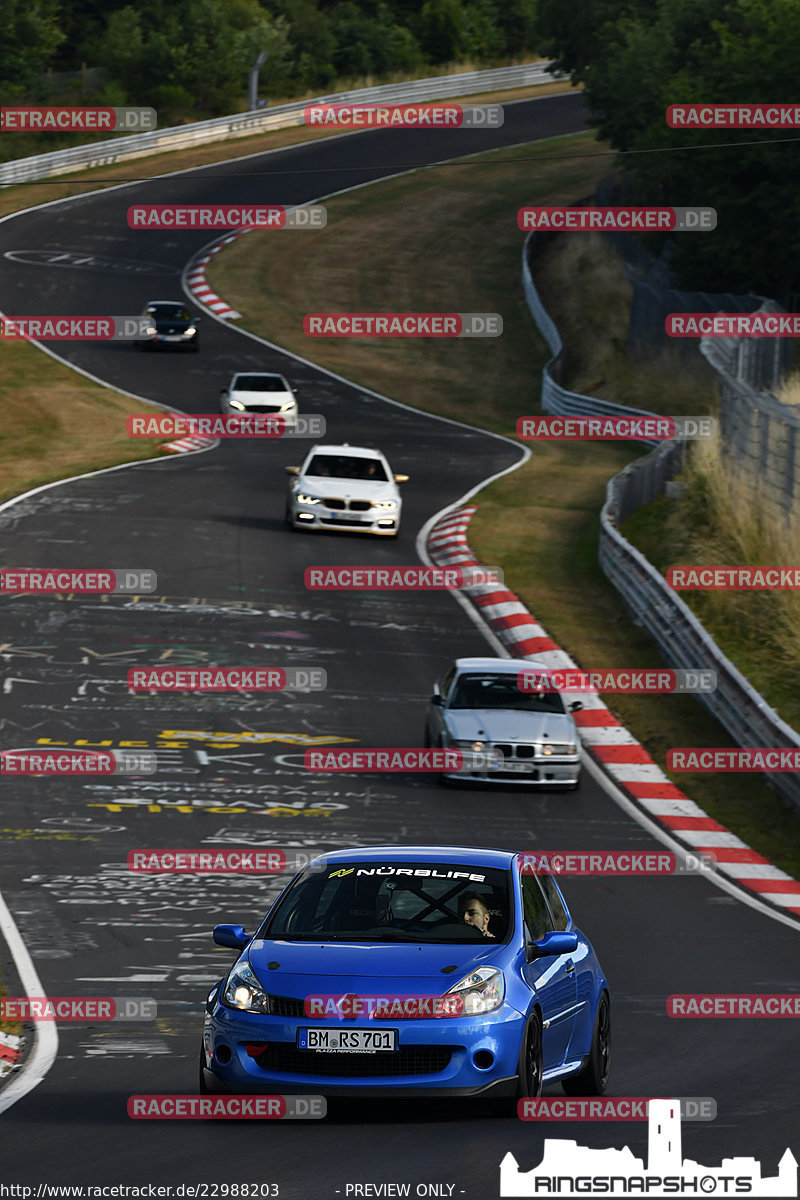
[(415, 244)]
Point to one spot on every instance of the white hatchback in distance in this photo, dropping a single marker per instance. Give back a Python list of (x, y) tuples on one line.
[(259, 392), (345, 487)]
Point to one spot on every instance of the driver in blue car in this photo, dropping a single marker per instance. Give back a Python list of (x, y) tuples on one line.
[(473, 911)]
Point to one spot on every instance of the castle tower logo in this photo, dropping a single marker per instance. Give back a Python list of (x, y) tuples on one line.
[(568, 1169)]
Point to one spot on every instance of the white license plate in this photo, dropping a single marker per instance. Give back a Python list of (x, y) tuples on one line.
[(344, 1041), (516, 768), (340, 516)]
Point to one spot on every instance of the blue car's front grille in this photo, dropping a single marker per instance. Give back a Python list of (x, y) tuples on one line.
[(284, 1058), (285, 1006)]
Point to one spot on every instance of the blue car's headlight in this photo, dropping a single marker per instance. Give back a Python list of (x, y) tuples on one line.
[(482, 991), (243, 990)]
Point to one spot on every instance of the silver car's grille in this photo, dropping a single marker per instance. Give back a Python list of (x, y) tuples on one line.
[(334, 502), (354, 505), (527, 750)]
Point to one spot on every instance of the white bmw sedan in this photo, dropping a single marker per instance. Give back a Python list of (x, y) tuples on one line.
[(345, 487), (258, 392)]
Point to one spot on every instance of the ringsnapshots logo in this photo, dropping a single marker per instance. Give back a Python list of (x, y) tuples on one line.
[(624, 681), (729, 325), (402, 325), (226, 1108), (226, 425), (615, 429), (699, 578), (404, 760), (616, 1108), (77, 762), (733, 760), (78, 1008), (616, 217), (227, 679), (226, 216), (65, 328), (400, 579), (31, 581), (36, 119), (614, 862), (233, 861), (403, 116), (569, 1170), (733, 116)]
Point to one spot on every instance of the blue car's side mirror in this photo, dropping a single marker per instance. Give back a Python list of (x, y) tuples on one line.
[(551, 945), (232, 936)]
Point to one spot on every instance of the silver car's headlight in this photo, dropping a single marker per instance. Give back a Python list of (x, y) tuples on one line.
[(304, 498), (384, 504), (549, 748), (476, 746), (482, 991), (288, 404), (236, 404), (243, 990)]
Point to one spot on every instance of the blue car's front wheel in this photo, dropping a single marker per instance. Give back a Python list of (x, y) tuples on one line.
[(529, 1071), (591, 1080)]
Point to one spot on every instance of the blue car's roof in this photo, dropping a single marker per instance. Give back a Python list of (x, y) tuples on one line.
[(461, 855)]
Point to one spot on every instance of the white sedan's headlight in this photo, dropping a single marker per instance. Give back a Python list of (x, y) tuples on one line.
[(482, 991), (236, 404), (243, 990), (304, 498), (286, 405), (384, 504)]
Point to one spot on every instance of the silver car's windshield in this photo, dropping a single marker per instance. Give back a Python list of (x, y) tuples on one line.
[(346, 466), (501, 691)]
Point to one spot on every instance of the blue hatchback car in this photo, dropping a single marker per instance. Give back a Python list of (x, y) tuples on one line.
[(409, 972)]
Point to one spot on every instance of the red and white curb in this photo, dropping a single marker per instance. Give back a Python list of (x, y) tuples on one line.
[(187, 445), (196, 281), (10, 1052), (612, 746)]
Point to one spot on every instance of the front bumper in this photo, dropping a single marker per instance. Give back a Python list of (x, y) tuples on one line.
[(544, 772), (432, 1056), (377, 521)]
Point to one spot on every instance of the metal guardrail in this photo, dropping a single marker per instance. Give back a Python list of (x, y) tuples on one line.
[(284, 116), (680, 636)]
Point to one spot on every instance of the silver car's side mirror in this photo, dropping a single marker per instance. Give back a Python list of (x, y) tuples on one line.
[(576, 706)]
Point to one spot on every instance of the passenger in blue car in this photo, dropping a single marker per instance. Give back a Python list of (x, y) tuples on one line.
[(473, 911)]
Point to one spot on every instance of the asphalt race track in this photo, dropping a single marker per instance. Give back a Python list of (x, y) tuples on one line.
[(231, 591)]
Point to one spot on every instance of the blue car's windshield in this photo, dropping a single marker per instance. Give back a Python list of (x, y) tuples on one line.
[(403, 902), (501, 691)]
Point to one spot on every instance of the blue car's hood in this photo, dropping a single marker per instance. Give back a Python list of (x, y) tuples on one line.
[(334, 965)]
